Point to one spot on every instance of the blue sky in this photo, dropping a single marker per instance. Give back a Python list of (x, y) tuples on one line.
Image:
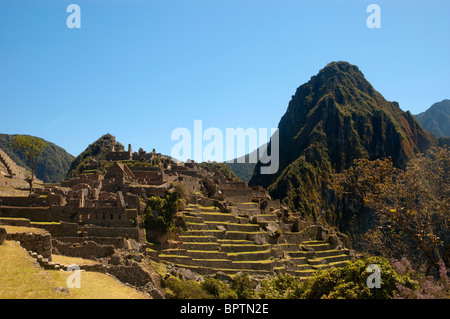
[(140, 69)]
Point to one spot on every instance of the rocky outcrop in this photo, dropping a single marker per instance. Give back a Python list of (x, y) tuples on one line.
[(137, 274), (436, 119)]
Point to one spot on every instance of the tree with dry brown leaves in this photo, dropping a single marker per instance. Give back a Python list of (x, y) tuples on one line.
[(412, 205)]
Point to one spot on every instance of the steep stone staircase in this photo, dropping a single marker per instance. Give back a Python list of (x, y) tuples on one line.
[(233, 242), (12, 174), (7, 163)]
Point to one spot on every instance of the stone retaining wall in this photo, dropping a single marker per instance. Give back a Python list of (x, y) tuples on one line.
[(93, 231), (59, 230), (38, 243), (117, 242), (86, 249)]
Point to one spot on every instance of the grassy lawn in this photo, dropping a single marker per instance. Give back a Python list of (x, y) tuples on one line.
[(23, 229), (97, 286), (22, 278)]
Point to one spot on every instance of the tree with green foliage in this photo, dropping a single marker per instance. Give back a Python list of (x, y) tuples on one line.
[(32, 148), (282, 286), (244, 286), (350, 282), (218, 289), (160, 212), (189, 289)]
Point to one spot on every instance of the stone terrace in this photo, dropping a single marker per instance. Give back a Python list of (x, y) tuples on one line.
[(229, 242)]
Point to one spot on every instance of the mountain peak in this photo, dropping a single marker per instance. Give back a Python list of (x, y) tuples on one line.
[(436, 119), (341, 66), (334, 118)]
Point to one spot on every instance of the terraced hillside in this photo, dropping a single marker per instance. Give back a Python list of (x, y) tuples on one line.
[(232, 242)]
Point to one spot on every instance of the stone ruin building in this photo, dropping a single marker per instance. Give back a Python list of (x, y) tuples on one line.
[(227, 226)]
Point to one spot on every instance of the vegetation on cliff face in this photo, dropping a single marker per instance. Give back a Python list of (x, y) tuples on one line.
[(331, 120), (242, 167), (51, 166), (436, 119), (411, 206), (98, 150)]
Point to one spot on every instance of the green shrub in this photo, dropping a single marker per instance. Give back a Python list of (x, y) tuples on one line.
[(218, 289), (189, 289), (244, 286), (279, 287), (350, 282), (159, 213)]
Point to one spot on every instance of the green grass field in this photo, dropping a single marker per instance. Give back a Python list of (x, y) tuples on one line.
[(22, 278)]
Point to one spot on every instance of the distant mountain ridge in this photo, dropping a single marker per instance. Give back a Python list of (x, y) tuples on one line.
[(51, 166), (436, 119), (242, 167), (331, 120)]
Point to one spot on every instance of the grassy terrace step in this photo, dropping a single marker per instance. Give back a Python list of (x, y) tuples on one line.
[(300, 254), (215, 233), (249, 213), (263, 218), (228, 225), (214, 263), (206, 254), (198, 226), (254, 265), (176, 259), (211, 270), (249, 255), (318, 246), (337, 264), (299, 260), (330, 253), (304, 267), (327, 260), (245, 205), (186, 260), (302, 273), (233, 226), (198, 238), (201, 246), (289, 247), (241, 234), (193, 219), (318, 253), (222, 217), (244, 247), (234, 242), (171, 252)]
